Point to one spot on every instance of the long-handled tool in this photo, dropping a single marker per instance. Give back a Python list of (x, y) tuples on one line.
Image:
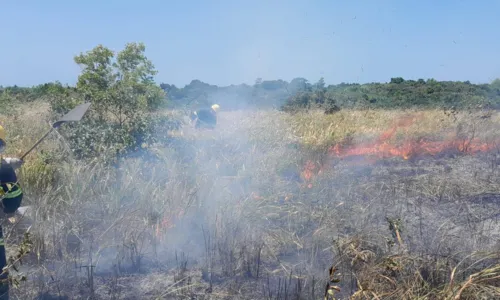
[(74, 115)]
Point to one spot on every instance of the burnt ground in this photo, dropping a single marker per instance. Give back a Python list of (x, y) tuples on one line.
[(449, 207)]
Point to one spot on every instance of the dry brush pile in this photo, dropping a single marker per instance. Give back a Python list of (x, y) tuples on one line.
[(228, 214)]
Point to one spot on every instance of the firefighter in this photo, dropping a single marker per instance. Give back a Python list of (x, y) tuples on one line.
[(11, 195), (205, 118)]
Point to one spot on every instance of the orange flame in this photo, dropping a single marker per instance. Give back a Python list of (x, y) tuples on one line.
[(382, 148), (411, 148), (167, 222), (308, 171)]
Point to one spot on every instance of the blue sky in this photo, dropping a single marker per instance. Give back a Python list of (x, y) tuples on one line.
[(232, 42)]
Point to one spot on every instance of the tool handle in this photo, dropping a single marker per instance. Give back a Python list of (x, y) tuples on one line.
[(38, 142)]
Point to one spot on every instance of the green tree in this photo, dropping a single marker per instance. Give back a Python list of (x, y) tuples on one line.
[(397, 80), (122, 91), (298, 85), (320, 85), (496, 83), (123, 88)]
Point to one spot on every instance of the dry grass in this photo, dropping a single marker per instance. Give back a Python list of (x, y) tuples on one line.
[(215, 217)]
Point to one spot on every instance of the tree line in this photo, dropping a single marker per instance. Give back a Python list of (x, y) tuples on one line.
[(300, 94)]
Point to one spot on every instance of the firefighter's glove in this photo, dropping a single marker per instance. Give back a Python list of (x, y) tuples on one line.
[(14, 162)]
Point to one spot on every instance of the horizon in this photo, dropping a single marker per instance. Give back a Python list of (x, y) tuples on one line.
[(250, 85), (228, 43)]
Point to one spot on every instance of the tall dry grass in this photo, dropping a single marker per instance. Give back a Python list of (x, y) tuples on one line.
[(221, 214)]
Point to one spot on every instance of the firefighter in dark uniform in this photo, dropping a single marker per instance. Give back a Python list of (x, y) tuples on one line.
[(205, 118), (11, 195)]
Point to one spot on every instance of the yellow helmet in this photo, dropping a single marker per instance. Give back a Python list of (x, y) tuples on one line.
[(2, 133), (215, 107)]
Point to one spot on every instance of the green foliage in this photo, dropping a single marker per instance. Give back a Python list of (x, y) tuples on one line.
[(194, 94), (122, 92), (299, 85), (123, 88), (270, 85), (397, 80), (16, 94), (47, 92), (60, 98), (102, 68), (300, 94), (398, 93), (299, 101), (311, 96), (6, 99)]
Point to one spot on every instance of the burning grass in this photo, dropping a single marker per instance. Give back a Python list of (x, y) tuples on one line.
[(265, 205)]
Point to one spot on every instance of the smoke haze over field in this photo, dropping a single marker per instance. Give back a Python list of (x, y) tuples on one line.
[(395, 184), (234, 212), (233, 42)]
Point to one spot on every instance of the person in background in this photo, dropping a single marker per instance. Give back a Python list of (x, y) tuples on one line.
[(205, 118)]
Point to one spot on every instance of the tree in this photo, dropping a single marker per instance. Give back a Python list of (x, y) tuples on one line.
[(397, 80), (320, 85), (122, 92), (298, 85), (496, 83), (123, 88)]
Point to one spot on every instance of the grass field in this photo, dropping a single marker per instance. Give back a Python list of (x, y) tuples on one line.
[(403, 204)]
